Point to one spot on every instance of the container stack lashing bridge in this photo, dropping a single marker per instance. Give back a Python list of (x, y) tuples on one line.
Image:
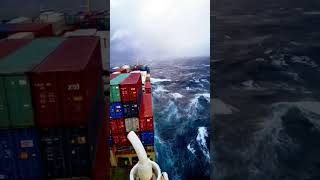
[(145, 169)]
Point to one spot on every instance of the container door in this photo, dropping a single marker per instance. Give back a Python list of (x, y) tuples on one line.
[(52, 143), (115, 91), (134, 110), (78, 152), (126, 111), (75, 111), (4, 112), (124, 93), (19, 101), (28, 158), (7, 161), (45, 98)]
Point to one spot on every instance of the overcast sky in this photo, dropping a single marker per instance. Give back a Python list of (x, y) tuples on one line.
[(13, 8), (159, 29)]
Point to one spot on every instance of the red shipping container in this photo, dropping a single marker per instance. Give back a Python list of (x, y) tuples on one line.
[(146, 113), (117, 126), (130, 88), (101, 165), (71, 76), (9, 46), (147, 87), (38, 29), (120, 140)]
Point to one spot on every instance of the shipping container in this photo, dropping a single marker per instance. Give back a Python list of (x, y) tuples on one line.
[(27, 152), (120, 140), (130, 110), (56, 20), (7, 157), (7, 47), (38, 29), (78, 152), (116, 111), (131, 88), (132, 124), (53, 144), (115, 89), (98, 134), (21, 35), (146, 113), (117, 126), (105, 50), (147, 87), (114, 75), (14, 70), (147, 138), (65, 85), (19, 20)]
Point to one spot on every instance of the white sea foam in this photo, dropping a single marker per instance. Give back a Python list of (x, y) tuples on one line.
[(304, 60), (192, 150), (156, 80), (160, 89), (177, 95), (201, 139)]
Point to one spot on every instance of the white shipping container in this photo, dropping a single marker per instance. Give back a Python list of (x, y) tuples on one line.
[(132, 124), (21, 35), (20, 20), (82, 32), (55, 19)]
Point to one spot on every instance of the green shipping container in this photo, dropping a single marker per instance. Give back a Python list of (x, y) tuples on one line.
[(4, 112), (13, 71), (115, 89)]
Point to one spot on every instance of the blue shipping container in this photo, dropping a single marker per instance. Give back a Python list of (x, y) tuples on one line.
[(7, 160), (116, 111), (110, 140), (27, 153), (147, 138), (130, 110), (52, 146)]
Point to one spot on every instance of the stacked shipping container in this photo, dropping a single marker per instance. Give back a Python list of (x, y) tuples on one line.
[(60, 130), (21, 141), (130, 110), (67, 90)]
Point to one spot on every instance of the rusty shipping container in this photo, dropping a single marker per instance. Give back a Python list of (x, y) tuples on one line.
[(65, 84)]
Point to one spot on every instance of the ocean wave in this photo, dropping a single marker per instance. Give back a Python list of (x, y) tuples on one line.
[(221, 108), (201, 139), (194, 104), (304, 60), (160, 89), (177, 95), (157, 80)]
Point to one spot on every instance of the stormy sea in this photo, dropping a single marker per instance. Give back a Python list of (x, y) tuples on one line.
[(266, 101), (181, 106)]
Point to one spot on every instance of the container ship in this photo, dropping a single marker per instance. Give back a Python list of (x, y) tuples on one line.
[(130, 110), (54, 115)]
